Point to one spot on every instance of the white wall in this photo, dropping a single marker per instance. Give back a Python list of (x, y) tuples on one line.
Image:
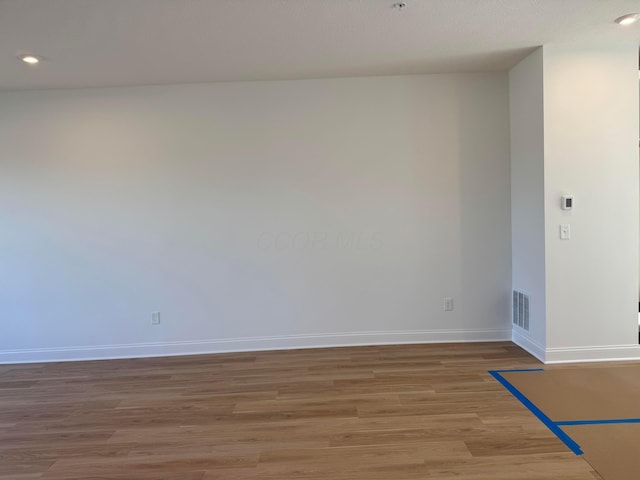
[(574, 124), (591, 151), (253, 215), (527, 195)]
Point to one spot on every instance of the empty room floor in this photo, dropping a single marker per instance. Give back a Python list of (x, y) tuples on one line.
[(381, 412)]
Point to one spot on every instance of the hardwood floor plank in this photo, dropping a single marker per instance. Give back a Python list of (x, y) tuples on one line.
[(403, 412)]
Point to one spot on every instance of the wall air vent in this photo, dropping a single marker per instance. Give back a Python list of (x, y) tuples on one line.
[(520, 312)]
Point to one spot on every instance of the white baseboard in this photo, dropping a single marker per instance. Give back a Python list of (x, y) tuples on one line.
[(522, 338), (103, 352), (607, 353)]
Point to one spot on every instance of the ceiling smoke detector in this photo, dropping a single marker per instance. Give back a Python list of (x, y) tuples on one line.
[(400, 5)]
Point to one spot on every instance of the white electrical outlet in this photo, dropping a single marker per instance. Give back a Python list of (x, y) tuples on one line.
[(155, 318), (448, 304)]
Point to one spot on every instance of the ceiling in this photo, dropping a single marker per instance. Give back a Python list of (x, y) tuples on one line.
[(89, 43)]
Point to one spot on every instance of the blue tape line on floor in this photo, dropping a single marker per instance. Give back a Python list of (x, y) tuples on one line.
[(557, 431), (520, 370), (598, 422)]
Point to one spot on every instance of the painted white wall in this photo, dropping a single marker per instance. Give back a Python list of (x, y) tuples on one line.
[(574, 122), (253, 215), (590, 129), (527, 195)]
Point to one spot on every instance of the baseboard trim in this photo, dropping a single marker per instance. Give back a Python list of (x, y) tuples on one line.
[(609, 353), (522, 338), (104, 352)]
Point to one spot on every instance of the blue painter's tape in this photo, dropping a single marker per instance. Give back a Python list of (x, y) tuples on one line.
[(598, 422), (557, 431), (521, 370)]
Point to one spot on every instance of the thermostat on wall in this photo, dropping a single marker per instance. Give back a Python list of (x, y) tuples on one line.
[(567, 202)]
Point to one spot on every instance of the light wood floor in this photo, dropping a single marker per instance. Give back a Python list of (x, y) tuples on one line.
[(372, 413)]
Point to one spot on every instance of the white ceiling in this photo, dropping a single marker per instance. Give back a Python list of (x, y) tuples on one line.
[(136, 42)]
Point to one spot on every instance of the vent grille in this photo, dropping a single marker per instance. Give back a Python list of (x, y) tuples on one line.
[(521, 309)]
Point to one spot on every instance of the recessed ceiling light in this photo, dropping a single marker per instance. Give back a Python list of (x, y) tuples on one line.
[(626, 20), (30, 59)]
